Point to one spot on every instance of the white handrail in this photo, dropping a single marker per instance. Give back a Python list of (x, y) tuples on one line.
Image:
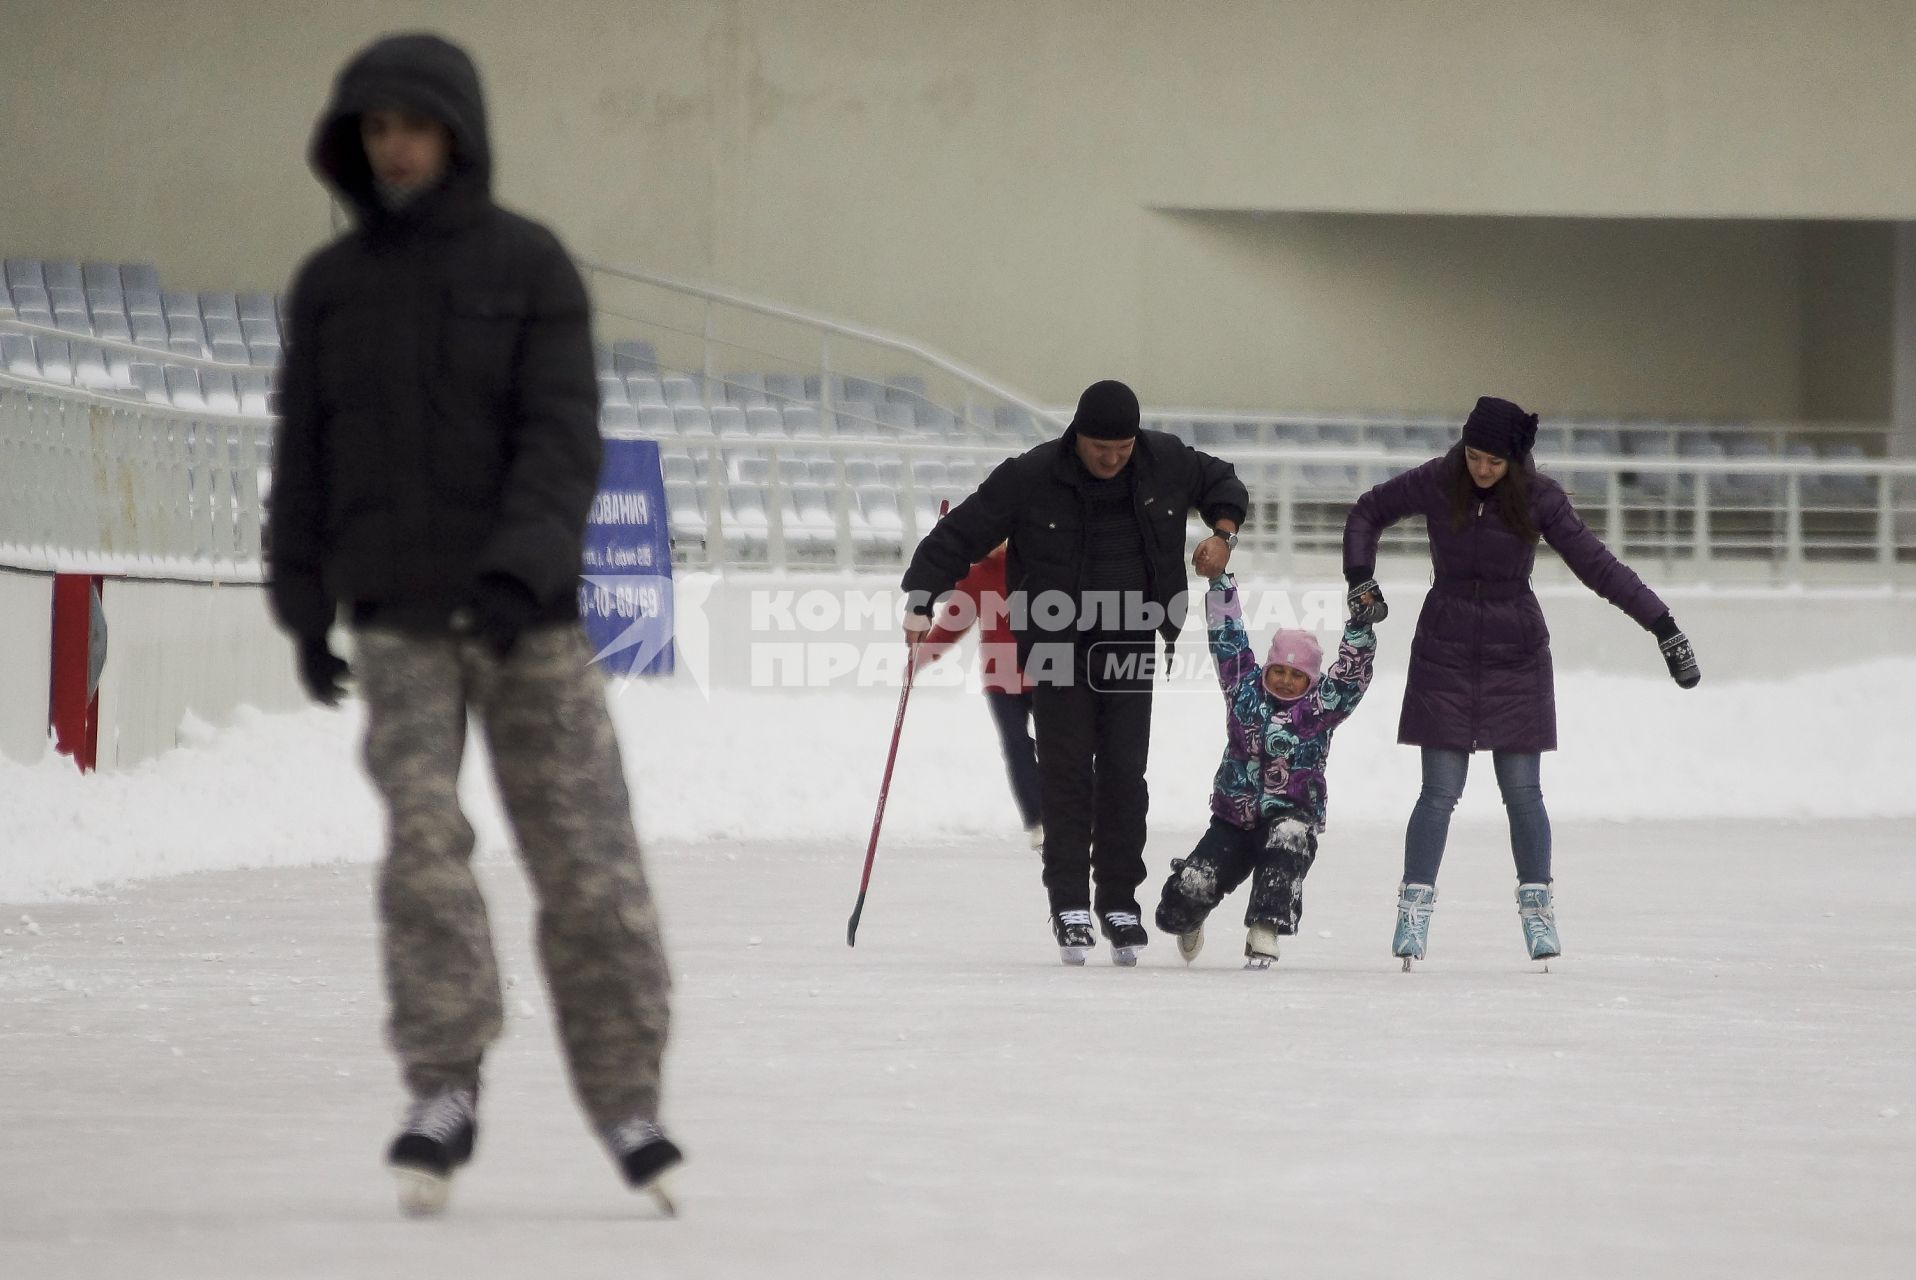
[(825, 324)]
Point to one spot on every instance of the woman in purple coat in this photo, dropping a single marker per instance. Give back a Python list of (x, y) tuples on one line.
[(1480, 662)]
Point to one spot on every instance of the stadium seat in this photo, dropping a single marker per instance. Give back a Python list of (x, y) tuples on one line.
[(139, 275), (183, 387), (90, 369), (255, 392), (219, 391), (634, 357), (102, 277), (144, 302), (257, 308), (150, 381), (17, 355), (765, 422), (728, 422), (25, 271), (784, 389)]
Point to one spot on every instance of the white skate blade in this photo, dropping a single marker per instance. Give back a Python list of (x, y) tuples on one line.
[(1406, 964), (1260, 964), (1072, 955), (1189, 944), (421, 1194), (660, 1190), (1123, 957)]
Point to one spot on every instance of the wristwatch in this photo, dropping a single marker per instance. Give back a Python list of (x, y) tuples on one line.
[(1230, 539)]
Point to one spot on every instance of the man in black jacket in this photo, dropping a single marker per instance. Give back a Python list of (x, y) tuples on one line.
[(1094, 573), (437, 452)]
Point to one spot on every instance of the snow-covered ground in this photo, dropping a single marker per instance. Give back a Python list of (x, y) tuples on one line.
[(1716, 1080), (804, 765)]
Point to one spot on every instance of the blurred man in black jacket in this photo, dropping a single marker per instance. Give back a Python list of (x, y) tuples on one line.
[(437, 452)]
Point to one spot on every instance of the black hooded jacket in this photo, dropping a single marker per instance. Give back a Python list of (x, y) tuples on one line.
[(1037, 501), (439, 401)]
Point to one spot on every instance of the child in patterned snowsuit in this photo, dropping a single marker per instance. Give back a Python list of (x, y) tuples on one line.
[(1268, 800)]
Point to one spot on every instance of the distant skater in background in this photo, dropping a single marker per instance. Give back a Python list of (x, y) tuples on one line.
[(1480, 674), (1269, 798), (436, 456), (980, 596)]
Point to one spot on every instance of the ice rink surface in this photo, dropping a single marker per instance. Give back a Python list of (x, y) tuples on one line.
[(1716, 1080)]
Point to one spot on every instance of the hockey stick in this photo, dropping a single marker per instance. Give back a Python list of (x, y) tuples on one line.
[(884, 787)]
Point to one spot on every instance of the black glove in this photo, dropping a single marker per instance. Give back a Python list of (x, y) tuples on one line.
[(1677, 653), (502, 607), (322, 671), (1366, 602)]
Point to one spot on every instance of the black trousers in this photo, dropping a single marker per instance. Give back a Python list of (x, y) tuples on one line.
[(1011, 712), (1094, 737), (1276, 857)]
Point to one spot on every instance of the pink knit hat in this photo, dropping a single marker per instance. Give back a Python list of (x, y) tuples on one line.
[(1296, 649)]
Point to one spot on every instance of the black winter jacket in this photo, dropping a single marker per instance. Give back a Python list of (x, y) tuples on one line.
[(439, 402), (1037, 501)]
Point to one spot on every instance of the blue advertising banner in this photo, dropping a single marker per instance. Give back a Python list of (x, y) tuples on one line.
[(625, 596)]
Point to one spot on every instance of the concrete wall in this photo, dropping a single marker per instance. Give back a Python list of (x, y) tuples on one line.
[(1639, 316), (26, 663), (182, 649), (1004, 178)]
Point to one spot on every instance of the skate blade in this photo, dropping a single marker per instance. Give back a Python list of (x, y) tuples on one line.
[(421, 1194), (1072, 955), (660, 1190), (1190, 953), (1124, 957), (1259, 964), (1407, 960)]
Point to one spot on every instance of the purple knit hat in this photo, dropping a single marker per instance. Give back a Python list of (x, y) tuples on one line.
[(1296, 649)]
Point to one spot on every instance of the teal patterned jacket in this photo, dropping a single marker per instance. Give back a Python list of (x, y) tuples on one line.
[(1275, 752)]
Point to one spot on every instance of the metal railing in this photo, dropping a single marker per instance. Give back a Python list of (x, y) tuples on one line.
[(706, 334), (99, 484), (1778, 516), (1432, 432), (94, 483)]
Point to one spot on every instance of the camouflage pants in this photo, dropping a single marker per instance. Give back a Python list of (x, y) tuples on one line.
[(544, 715)]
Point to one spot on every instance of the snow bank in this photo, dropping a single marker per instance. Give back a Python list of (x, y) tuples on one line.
[(286, 789)]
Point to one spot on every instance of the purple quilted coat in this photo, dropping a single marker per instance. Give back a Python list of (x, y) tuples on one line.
[(1480, 663)]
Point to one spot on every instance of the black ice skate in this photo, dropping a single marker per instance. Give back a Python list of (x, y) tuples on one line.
[(1072, 929), (645, 1156), (437, 1138), (1126, 934)]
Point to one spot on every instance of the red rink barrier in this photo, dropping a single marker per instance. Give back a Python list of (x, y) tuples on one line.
[(73, 707)]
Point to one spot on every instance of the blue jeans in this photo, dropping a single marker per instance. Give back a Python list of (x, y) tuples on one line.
[(1517, 778)]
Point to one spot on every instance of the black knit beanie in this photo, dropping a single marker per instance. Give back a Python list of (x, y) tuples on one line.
[(1107, 411), (1500, 428)]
